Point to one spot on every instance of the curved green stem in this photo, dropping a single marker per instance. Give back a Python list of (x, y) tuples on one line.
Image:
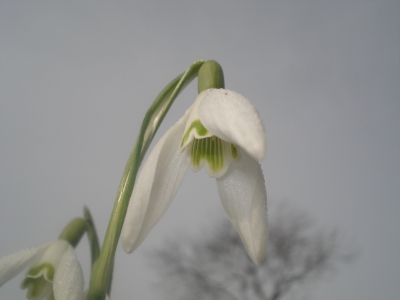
[(102, 268)]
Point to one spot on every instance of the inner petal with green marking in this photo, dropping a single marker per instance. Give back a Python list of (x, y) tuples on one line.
[(212, 152), (195, 130), (46, 269), (38, 288), (38, 281)]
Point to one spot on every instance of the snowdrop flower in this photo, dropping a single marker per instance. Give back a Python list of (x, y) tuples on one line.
[(54, 271), (223, 132)]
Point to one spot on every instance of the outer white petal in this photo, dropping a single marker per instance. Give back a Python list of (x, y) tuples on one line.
[(243, 196), (68, 278), (233, 118), (13, 264), (155, 187)]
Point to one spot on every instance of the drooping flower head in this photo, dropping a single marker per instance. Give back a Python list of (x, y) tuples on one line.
[(223, 132)]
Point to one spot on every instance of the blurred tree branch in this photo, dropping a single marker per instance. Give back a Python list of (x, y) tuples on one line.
[(218, 267)]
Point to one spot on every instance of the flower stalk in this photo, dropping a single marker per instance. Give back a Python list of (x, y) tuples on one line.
[(102, 268)]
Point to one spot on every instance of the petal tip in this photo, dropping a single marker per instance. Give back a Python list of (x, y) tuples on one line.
[(256, 247), (127, 246), (128, 239), (258, 258), (233, 118), (256, 150)]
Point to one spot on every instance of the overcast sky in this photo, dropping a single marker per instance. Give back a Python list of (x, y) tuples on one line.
[(77, 78)]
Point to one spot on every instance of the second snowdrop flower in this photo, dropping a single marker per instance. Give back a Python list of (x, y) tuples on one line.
[(53, 271)]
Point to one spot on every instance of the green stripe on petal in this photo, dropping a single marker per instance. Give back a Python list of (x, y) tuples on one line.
[(45, 269), (212, 152), (196, 125), (234, 151)]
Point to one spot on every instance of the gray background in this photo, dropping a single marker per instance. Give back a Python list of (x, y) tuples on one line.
[(76, 79)]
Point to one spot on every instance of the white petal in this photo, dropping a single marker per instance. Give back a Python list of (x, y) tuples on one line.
[(13, 264), (233, 118), (68, 279), (243, 196), (155, 187)]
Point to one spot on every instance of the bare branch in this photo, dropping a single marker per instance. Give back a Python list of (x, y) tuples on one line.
[(219, 267)]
